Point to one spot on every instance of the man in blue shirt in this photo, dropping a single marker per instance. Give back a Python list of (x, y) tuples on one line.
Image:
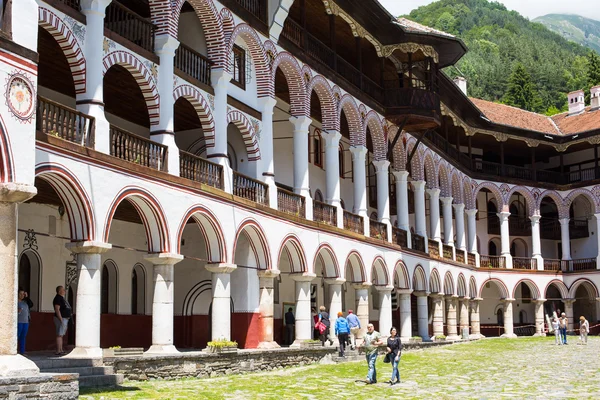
[(354, 324)]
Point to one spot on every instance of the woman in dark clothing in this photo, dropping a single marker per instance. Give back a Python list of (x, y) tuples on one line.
[(394, 349), (324, 319)]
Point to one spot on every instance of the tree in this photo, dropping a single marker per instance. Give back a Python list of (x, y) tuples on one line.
[(521, 91), (593, 69)]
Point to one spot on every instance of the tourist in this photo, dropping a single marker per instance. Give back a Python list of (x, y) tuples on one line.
[(371, 344), (564, 323), (342, 330), (24, 316), (394, 350), (584, 329), (556, 329), (354, 324), (290, 322), (324, 319), (62, 313), (315, 319)]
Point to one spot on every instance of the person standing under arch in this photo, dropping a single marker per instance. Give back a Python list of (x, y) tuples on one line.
[(24, 307), (62, 313)]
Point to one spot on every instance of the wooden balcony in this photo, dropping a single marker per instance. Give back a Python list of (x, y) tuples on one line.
[(582, 264), (418, 242), (291, 203), (550, 229), (497, 262), (66, 123), (74, 4), (250, 189), (471, 259), (200, 170), (324, 213), (434, 248), (420, 106), (447, 252), (354, 223), (524, 263), (137, 149), (126, 23), (460, 256), (378, 230), (399, 237), (193, 64), (258, 8), (551, 264)]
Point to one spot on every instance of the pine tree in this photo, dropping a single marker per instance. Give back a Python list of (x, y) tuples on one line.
[(521, 91), (593, 69)]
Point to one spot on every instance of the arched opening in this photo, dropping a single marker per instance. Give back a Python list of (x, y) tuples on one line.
[(585, 303), (494, 247), (583, 251), (190, 32), (138, 290), (30, 276), (518, 221), (550, 233), (554, 304), (125, 108), (491, 308), (518, 248), (108, 289), (524, 308)]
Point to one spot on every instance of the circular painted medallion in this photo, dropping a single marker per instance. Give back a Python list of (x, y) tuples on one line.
[(20, 96)]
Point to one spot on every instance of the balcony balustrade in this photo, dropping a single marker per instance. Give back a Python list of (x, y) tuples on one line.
[(378, 230), (193, 63), (471, 259), (524, 263), (291, 203), (434, 248), (258, 8), (74, 4), (200, 170), (418, 242), (250, 188), (447, 251), (324, 213), (460, 256), (354, 223), (126, 23), (399, 237), (55, 119), (582, 264), (137, 149), (551, 264), (498, 262)]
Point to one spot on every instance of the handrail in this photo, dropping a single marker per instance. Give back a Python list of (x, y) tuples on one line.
[(552, 264), (58, 120), (492, 261), (447, 252), (354, 222), (193, 63), (291, 203), (137, 149), (378, 230), (130, 25), (524, 263), (399, 237), (200, 170), (581, 264), (74, 4), (418, 242), (250, 188), (324, 213), (471, 259), (434, 248), (258, 8)]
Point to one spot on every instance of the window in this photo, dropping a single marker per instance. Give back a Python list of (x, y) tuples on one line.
[(341, 161), (317, 146), (239, 67)]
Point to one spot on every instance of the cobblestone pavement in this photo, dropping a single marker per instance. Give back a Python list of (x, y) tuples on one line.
[(525, 368)]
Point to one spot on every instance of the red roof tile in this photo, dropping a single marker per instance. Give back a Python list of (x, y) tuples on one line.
[(412, 26), (586, 121)]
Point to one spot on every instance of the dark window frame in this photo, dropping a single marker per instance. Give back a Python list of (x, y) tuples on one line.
[(239, 53)]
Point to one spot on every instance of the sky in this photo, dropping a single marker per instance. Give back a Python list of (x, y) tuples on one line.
[(528, 8)]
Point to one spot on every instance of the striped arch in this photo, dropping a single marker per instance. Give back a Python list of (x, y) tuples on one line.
[(468, 197), (75, 199), (142, 76), (228, 23), (212, 233), (151, 213), (535, 291), (160, 13), (292, 249), (416, 163), (354, 267), (350, 109), (401, 278), (591, 288), (457, 190), (472, 287), (526, 193), (448, 283), (504, 293), (581, 192), (379, 272), (69, 45), (326, 258), (435, 282), (398, 153), (293, 75), (461, 286), (258, 243), (321, 86), (202, 108), (7, 163), (430, 170), (378, 135), (264, 83), (560, 285), (563, 211), (419, 280), (444, 176), (242, 122), (495, 191)]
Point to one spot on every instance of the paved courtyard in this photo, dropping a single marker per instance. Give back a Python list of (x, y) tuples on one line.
[(526, 368)]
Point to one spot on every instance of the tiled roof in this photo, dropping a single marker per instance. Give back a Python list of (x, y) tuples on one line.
[(583, 122), (412, 26)]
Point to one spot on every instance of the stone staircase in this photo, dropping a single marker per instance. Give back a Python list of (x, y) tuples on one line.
[(351, 355), (92, 372)]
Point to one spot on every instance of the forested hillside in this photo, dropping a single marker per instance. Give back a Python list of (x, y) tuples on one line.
[(576, 28), (504, 46)]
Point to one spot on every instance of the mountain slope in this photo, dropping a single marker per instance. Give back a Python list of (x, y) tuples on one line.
[(575, 28), (498, 40)]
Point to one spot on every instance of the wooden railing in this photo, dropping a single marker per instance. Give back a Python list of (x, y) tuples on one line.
[(200, 170), (348, 72), (193, 63), (551, 264), (324, 213), (447, 252), (524, 263), (418, 242), (291, 203), (582, 264), (55, 119), (318, 50), (378, 230), (460, 256), (249, 188), (293, 31), (399, 237), (74, 4), (434, 248), (258, 8), (398, 99), (492, 261), (354, 223), (130, 25), (471, 259), (137, 149)]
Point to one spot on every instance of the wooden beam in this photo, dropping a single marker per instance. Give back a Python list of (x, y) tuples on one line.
[(416, 146)]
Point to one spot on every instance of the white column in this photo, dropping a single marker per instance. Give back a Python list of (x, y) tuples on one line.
[(405, 315), (420, 220), (303, 316), (92, 101), (459, 213), (597, 218), (383, 194), (218, 153), (165, 46), (475, 320), (471, 231), (162, 301), (464, 315), (565, 239), (301, 183), (362, 306), (89, 282), (447, 215), (505, 238), (402, 202), (569, 312), (434, 214), (451, 317), (536, 246), (360, 184), (423, 315), (335, 302), (267, 167), (221, 299), (332, 172), (438, 314), (508, 319), (266, 302), (385, 309), (539, 317)]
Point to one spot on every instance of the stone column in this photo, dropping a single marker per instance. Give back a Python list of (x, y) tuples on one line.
[(165, 46), (475, 321), (434, 214), (423, 315), (438, 314), (508, 319), (303, 324), (402, 202), (267, 168), (332, 172), (385, 309), (359, 154), (451, 317), (405, 315), (11, 363), (536, 246), (362, 307), (89, 282), (447, 215), (335, 304), (464, 314), (218, 153), (505, 238), (383, 194), (420, 219), (459, 212), (162, 302), (539, 317), (266, 301), (301, 182), (221, 299), (569, 312), (565, 240)]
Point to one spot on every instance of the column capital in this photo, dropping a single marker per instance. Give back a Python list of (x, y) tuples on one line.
[(384, 289), (88, 247), (269, 273), (503, 215), (358, 151), (569, 302), (301, 123), (404, 291), (335, 281), (477, 299), (418, 185), (434, 191), (362, 285), (459, 207), (447, 200), (472, 212), (451, 296), (267, 104), (16, 192), (535, 218), (401, 175), (421, 293), (220, 77), (539, 301), (94, 6), (508, 300), (163, 258), (381, 165), (304, 277), (564, 221), (332, 138), (437, 296), (165, 44), (220, 268)]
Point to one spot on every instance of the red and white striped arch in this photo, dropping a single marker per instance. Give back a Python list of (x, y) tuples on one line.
[(379, 272), (202, 108), (321, 86), (350, 109), (292, 250), (211, 230), (378, 135), (326, 258), (242, 122), (354, 268), (257, 240), (401, 277), (293, 75)]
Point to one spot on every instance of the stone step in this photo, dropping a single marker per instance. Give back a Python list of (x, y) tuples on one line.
[(64, 362), (100, 380), (82, 371)]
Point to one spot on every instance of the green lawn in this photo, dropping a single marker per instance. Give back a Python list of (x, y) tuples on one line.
[(524, 368)]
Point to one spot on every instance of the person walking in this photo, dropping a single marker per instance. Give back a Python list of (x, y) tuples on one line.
[(290, 322), (556, 329), (314, 320), (564, 323), (24, 317), (394, 351), (324, 319), (62, 313), (584, 329), (371, 344), (342, 330), (354, 324)]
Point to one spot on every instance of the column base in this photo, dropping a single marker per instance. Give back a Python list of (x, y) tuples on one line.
[(85, 352), (162, 349), (543, 334), (268, 345), (299, 343), (453, 337), (16, 365), (509, 335), (476, 336)]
